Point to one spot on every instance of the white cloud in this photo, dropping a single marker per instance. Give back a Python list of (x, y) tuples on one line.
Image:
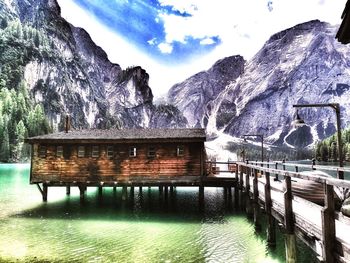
[(207, 41), (152, 42), (230, 20), (181, 5), (165, 48), (233, 20)]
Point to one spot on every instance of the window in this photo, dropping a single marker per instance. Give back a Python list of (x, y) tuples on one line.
[(95, 151), (59, 151), (132, 151), (81, 151), (180, 150), (152, 152), (110, 152), (67, 151), (42, 151)]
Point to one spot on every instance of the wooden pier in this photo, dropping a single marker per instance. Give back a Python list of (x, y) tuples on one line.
[(324, 229)]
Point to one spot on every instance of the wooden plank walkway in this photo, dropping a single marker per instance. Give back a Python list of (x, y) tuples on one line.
[(312, 223)]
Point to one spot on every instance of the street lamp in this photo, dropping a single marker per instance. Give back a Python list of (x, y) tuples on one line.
[(298, 122), (262, 143)]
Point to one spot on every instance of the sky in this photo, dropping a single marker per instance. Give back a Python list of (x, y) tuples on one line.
[(174, 39)]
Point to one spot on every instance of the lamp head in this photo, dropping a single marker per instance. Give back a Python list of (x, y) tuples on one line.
[(298, 122)]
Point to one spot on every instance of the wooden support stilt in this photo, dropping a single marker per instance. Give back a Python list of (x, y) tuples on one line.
[(166, 192), (114, 189), (236, 197), (124, 193), (131, 195), (328, 225), (201, 197), (288, 206), (291, 249), (172, 193), (290, 241), (229, 195), (257, 224), (45, 187), (82, 190), (68, 190), (140, 189), (160, 190), (242, 197), (225, 194), (236, 189), (271, 222), (248, 200), (100, 191), (271, 231)]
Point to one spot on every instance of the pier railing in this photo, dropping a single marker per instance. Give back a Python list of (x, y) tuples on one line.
[(296, 166), (322, 228)]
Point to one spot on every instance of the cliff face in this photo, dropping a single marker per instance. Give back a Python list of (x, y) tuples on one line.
[(195, 95), (67, 73), (300, 65)]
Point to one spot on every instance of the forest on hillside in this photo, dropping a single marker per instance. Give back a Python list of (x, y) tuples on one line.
[(327, 150), (20, 116)]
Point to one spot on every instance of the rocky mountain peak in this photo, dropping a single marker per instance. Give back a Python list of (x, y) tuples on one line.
[(194, 95), (302, 64)]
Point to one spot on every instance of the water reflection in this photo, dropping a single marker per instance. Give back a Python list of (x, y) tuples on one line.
[(147, 227)]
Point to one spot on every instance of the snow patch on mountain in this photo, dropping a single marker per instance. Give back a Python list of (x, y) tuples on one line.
[(217, 148)]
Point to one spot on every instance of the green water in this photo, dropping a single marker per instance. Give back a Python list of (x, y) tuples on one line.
[(146, 228)]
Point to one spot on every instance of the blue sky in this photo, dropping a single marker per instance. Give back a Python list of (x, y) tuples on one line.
[(173, 39), (141, 23)]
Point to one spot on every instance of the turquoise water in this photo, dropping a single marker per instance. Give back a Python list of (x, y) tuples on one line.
[(145, 228)]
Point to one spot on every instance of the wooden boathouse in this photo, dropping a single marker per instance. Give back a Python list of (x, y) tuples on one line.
[(111, 158)]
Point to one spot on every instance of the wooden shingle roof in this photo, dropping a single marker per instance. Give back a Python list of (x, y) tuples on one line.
[(125, 134)]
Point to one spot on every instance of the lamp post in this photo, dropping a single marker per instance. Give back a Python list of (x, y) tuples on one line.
[(335, 106), (262, 143)]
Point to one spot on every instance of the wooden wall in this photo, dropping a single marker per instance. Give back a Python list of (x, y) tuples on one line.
[(71, 168)]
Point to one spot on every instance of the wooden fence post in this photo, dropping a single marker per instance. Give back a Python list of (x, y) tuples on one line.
[(328, 225), (276, 175), (247, 187), (290, 241), (271, 222), (256, 201)]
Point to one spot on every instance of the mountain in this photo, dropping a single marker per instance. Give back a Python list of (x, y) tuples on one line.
[(50, 68), (194, 96), (301, 65)]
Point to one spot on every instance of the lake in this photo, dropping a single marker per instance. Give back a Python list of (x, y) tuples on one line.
[(145, 228)]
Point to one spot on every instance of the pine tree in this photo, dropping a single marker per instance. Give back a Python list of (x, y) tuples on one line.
[(37, 38), (20, 135), (324, 152), (5, 146), (4, 23)]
